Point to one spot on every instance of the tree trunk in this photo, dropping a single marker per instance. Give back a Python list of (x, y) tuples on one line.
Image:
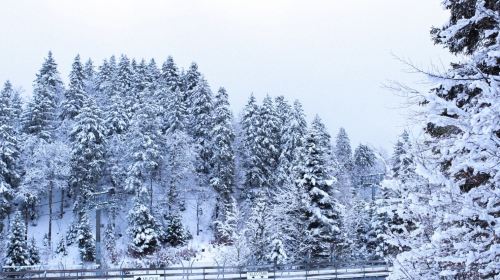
[(62, 205), (151, 193), (49, 235)]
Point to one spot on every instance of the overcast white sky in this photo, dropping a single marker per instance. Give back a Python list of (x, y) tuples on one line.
[(333, 55)]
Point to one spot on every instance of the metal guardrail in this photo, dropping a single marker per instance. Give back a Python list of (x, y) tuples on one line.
[(352, 270)]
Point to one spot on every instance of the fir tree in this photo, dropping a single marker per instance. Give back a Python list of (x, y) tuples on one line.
[(9, 153), (222, 136), (343, 149), (175, 234), (226, 222), (268, 149), (88, 149), (16, 253), (76, 93), (201, 125), (40, 116), (250, 122), (170, 77), (322, 211), (61, 247), (142, 228), (364, 161), (84, 239), (33, 252)]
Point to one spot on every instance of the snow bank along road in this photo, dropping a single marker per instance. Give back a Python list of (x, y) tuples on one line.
[(289, 272)]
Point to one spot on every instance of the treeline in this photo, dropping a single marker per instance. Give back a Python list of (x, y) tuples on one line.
[(278, 187)]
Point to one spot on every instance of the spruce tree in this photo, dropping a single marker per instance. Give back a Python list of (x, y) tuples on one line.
[(41, 114), (461, 149), (343, 150), (222, 137), (175, 234), (76, 93), (249, 123), (84, 239), (322, 211), (9, 153), (201, 125), (268, 146), (61, 247), (88, 149), (16, 252), (142, 228), (33, 252), (170, 77)]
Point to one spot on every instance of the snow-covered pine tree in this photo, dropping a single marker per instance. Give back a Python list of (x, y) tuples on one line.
[(142, 228), (9, 153), (170, 77), (61, 247), (125, 84), (90, 76), (146, 152), (249, 123), (222, 135), (84, 238), (175, 112), (201, 126), (88, 150), (343, 156), (76, 93), (322, 211), (462, 147), (190, 80), (268, 146), (293, 132), (343, 150), (16, 252), (41, 113), (326, 142), (175, 233), (12, 99), (364, 161), (226, 224), (287, 209), (33, 252)]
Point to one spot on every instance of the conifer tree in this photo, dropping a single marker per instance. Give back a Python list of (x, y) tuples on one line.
[(175, 234), (9, 153), (142, 228), (84, 239), (40, 116), (343, 150), (16, 253), (222, 136), (201, 125), (33, 252), (322, 211), (364, 161), (226, 223), (268, 149), (76, 93), (170, 77), (88, 149), (61, 247), (250, 122), (461, 150)]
